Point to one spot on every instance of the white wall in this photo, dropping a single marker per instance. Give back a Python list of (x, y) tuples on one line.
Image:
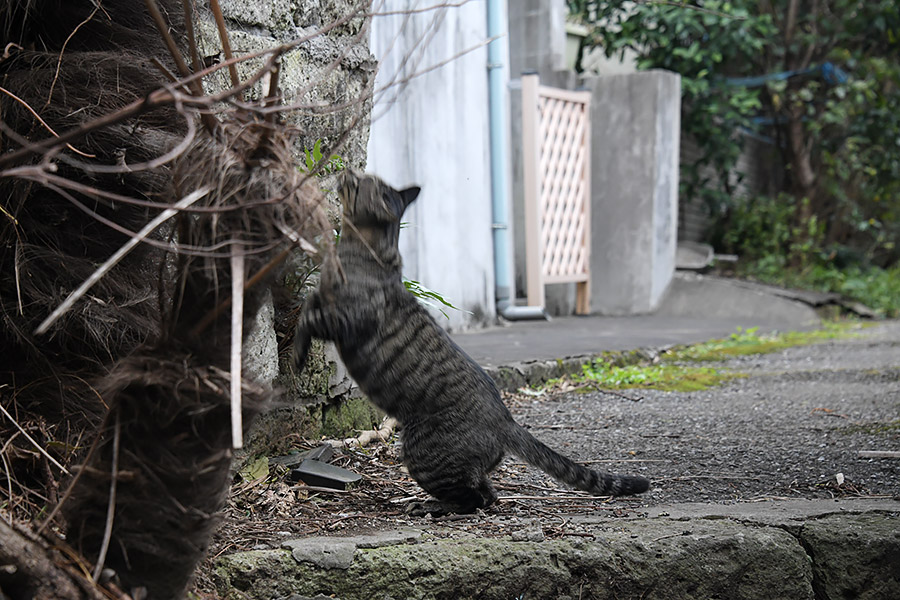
[(433, 132)]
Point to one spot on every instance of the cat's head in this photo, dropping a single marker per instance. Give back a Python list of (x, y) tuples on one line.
[(367, 200)]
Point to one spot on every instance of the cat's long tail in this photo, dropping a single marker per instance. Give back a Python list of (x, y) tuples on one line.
[(524, 445)]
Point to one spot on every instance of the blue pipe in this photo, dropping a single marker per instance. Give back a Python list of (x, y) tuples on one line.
[(499, 153), (497, 119)]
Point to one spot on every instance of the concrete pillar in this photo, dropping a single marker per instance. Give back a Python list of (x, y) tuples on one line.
[(636, 120), (537, 36)]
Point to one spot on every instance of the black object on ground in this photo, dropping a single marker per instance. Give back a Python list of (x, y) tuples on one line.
[(315, 470)]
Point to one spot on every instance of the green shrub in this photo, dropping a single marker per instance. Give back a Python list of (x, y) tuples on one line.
[(773, 250)]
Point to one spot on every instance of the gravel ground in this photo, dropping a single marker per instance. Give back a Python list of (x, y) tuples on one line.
[(785, 429)]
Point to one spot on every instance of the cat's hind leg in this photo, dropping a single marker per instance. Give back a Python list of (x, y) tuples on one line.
[(456, 475), (455, 497)]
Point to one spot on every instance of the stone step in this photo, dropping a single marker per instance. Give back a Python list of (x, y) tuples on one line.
[(793, 549)]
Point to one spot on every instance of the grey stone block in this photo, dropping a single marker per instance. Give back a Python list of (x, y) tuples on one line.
[(338, 553), (261, 346), (655, 559), (635, 124), (854, 556)]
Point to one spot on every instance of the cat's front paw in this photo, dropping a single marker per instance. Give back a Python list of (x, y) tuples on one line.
[(302, 341)]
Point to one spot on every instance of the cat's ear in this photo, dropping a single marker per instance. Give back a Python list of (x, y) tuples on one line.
[(409, 195)]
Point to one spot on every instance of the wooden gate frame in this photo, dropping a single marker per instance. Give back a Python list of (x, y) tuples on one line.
[(556, 141)]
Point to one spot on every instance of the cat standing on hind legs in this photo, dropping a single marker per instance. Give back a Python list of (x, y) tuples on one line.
[(456, 429)]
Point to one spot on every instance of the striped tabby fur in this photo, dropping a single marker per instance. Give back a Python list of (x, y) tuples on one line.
[(456, 429)]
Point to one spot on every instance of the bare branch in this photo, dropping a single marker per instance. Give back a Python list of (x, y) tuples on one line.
[(160, 97), (790, 24), (155, 163), (237, 319), (111, 504), (42, 567), (63, 51), (208, 319), (224, 39), (413, 11), (74, 481), (39, 175), (163, 29), (189, 30), (33, 442), (42, 122)]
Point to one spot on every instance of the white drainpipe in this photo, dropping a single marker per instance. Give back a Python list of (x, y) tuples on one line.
[(503, 279)]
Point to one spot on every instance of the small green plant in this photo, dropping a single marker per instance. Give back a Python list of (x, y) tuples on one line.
[(670, 374), (747, 341), (878, 428), (255, 470), (429, 297), (314, 158), (775, 249), (664, 377)]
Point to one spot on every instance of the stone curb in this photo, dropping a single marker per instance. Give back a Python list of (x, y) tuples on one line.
[(812, 550), (512, 376)]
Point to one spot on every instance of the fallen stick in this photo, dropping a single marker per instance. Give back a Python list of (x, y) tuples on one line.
[(41, 569), (879, 454), (317, 488), (689, 477), (552, 497), (383, 433)]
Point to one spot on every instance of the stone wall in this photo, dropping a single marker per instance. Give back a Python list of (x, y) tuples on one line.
[(331, 69), (331, 77)]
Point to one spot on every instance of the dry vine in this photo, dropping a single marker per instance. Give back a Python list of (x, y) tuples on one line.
[(142, 218), (134, 207)]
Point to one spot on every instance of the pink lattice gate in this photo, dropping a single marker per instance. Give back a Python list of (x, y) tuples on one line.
[(556, 142)]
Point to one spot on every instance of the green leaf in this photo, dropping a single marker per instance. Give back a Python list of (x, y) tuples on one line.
[(317, 151), (429, 297)]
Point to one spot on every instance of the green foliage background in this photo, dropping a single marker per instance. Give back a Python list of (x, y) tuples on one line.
[(833, 115)]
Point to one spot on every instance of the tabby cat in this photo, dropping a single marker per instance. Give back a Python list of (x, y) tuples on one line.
[(456, 429)]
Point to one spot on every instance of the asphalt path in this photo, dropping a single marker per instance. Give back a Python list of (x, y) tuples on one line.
[(793, 425), (577, 336)]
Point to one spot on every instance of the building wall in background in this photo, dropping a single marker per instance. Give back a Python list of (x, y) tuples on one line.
[(537, 44), (635, 123), (430, 128)]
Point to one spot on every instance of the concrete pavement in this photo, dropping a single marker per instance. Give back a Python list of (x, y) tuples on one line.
[(696, 308), (565, 337)]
